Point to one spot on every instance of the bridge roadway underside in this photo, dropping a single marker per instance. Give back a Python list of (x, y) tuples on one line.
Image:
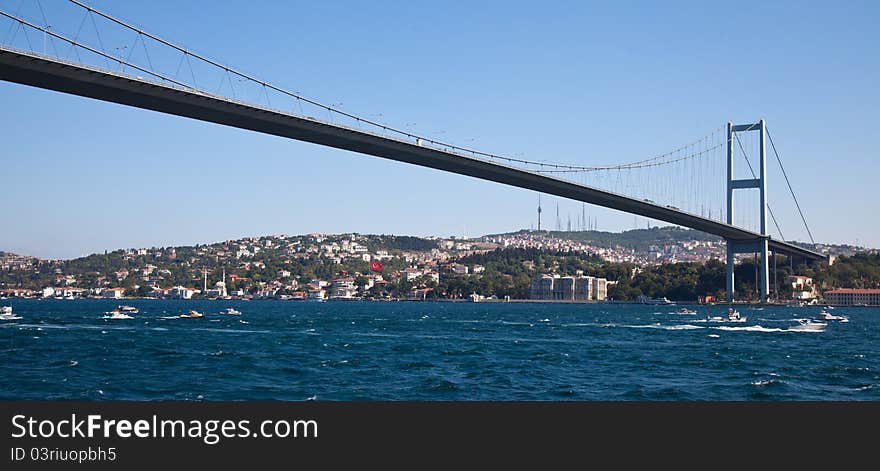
[(47, 73)]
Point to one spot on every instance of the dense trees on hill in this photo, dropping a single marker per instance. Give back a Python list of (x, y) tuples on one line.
[(859, 271), (392, 242)]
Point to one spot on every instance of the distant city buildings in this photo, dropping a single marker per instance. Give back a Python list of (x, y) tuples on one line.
[(283, 267)]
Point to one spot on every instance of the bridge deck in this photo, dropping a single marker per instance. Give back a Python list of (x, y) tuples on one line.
[(52, 74)]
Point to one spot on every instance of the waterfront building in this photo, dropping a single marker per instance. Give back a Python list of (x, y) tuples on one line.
[(853, 297), (600, 289), (802, 288), (113, 293), (568, 288), (179, 292), (563, 288), (419, 294), (583, 288), (541, 288)]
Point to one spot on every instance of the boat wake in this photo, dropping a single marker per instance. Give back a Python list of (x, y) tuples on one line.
[(750, 328)]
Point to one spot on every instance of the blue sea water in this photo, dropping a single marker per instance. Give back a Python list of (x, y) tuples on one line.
[(289, 350)]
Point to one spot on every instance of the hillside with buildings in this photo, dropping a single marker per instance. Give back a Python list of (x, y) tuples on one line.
[(577, 266)]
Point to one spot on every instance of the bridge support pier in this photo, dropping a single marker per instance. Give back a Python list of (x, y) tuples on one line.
[(749, 246)]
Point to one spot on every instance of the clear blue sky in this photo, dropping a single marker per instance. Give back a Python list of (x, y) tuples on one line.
[(579, 82)]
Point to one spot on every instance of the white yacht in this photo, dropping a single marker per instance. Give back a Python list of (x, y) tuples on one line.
[(128, 309), (827, 316), (808, 325), (685, 310), (7, 315), (230, 311)]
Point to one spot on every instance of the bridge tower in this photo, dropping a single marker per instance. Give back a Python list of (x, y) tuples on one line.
[(749, 246)]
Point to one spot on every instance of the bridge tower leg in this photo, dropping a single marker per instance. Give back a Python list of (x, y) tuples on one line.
[(730, 252), (760, 182)]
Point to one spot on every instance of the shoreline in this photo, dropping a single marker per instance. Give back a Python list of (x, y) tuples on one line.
[(493, 301)]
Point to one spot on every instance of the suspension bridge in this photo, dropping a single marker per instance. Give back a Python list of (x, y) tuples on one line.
[(152, 73)]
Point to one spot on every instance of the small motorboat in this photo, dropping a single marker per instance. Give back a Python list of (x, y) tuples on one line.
[(734, 316), (192, 313), (685, 310), (117, 314), (230, 311), (808, 325), (128, 309), (827, 316), (7, 315)]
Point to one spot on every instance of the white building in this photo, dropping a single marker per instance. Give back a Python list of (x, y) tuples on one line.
[(459, 269), (179, 292), (343, 288), (113, 293), (802, 288)]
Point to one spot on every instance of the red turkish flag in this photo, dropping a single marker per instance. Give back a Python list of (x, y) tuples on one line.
[(376, 265)]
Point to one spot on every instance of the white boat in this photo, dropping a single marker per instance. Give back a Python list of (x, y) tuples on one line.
[(117, 314), (808, 325), (130, 309), (685, 310), (827, 316), (7, 315), (230, 311), (734, 316), (192, 313)]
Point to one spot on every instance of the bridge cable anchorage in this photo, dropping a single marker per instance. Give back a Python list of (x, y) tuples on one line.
[(785, 174), (101, 53), (752, 171)]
